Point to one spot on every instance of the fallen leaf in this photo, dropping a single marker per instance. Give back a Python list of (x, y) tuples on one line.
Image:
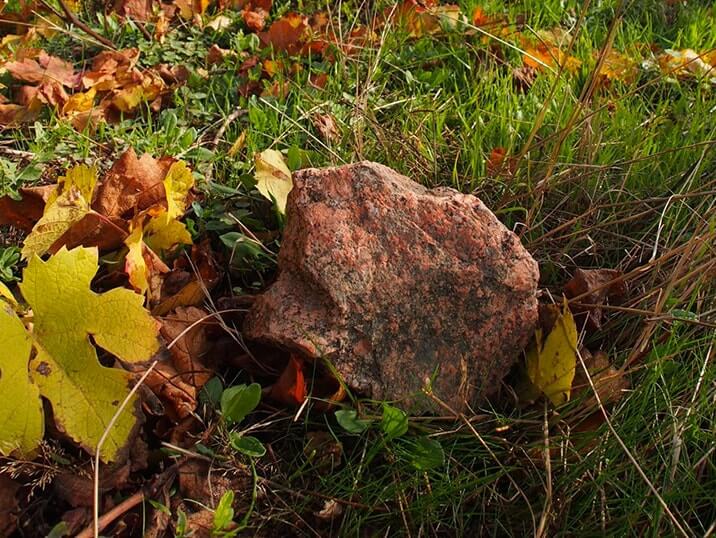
[(599, 287), (524, 77), (111, 69), (45, 69), (685, 63), (273, 178), (255, 20), (290, 388), (132, 185), (551, 360), (609, 382), (287, 34), (79, 102), (163, 233), (190, 280), (84, 395), (139, 10), (66, 206), (217, 55), (143, 266), (330, 511), (188, 9), (177, 184), (178, 383), (326, 125), (24, 213), (618, 67)]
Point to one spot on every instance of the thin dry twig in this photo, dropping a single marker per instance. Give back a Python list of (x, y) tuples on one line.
[(71, 17)]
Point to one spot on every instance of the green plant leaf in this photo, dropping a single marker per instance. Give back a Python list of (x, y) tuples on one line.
[(427, 454), (349, 421), (247, 445), (239, 401), (211, 391), (394, 423), (224, 513)]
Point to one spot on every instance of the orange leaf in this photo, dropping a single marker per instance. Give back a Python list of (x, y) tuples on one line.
[(290, 388)]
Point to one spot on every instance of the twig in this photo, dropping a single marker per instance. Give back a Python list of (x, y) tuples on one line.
[(69, 15), (113, 514)]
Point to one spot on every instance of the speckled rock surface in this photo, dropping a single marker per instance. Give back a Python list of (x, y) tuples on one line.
[(395, 283)]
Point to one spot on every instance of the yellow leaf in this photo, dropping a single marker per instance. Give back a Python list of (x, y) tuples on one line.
[(177, 184), (21, 415), (134, 264), (84, 394), (79, 102), (164, 233), (7, 296), (551, 361), (273, 178), (65, 206), (238, 144), (143, 266)]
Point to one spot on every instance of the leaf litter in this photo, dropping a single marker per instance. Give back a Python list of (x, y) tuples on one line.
[(135, 211)]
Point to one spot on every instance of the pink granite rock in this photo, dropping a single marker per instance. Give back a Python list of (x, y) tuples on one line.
[(396, 284)]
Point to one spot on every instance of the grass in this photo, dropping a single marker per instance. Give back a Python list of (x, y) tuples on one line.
[(620, 177)]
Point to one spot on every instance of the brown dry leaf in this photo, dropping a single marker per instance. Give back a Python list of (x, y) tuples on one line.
[(191, 326), (45, 69), (217, 55), (139, 10), (197, 482), (287, 33), (9, 506), (330, 511), (24, 213), (524, 77), (111, 69), (185, 288), (421, 18), (326, 125), (609, 382), (687, 63), (132, 185), (322, 450), (255, 19), (93, 230), (602, 286)]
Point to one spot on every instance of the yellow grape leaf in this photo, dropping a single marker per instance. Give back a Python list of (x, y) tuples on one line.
[(84, 394), (177, 184), (273, 178), (164, 233), (65, 206), (551, 361), (21, 413)]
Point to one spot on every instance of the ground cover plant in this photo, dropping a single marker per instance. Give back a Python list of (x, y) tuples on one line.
[(145, 158)]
